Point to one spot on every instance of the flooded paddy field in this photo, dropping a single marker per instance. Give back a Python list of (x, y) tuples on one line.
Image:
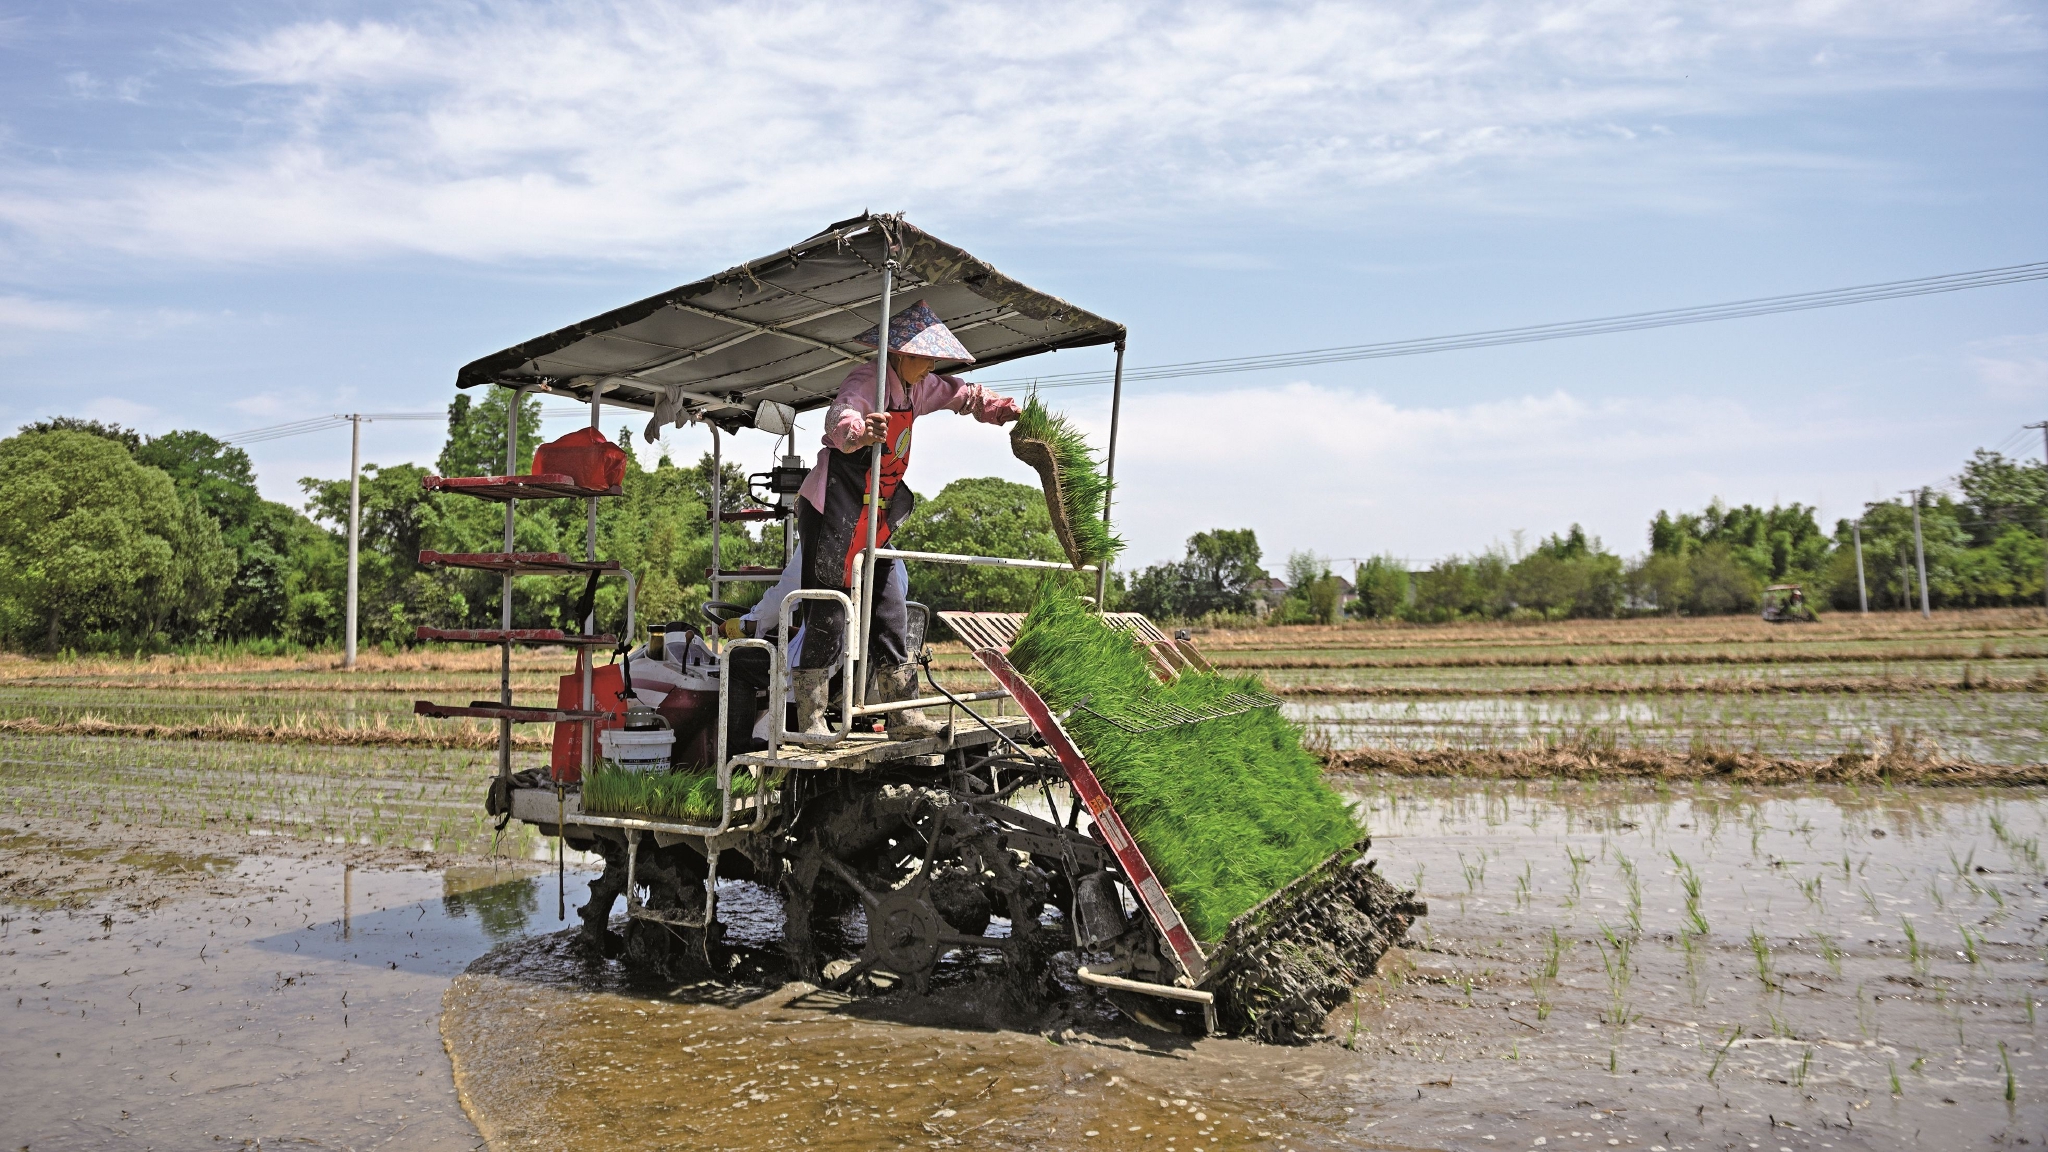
[(424, 798), (1603, 966), (172, 989), (1979, 727), (1610, 965)]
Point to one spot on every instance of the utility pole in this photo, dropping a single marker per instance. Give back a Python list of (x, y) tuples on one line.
[(1862, 592), (355, 530), (1920, 553), (2043, 426)]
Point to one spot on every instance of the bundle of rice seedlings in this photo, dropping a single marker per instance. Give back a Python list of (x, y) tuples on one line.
[(664, 795), (1075, 488), (1228, 810), (1261, 857)]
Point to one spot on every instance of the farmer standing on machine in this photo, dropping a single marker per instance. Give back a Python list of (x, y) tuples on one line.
[(832, 513)]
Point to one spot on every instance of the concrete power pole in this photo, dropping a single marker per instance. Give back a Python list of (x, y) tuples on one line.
[(1920, 553), (2043, 426), (355, 530), (1862, 591)]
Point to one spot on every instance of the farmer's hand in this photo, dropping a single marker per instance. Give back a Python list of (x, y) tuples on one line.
[(875, 431), (733, 629)]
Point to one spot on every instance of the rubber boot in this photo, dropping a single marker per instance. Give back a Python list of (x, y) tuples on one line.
[(741, 712), (811, 688), (892, 682)]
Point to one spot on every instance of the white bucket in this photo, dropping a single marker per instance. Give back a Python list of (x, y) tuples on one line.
[(637, 751)]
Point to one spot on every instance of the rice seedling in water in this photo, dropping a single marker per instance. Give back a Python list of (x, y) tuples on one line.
[(1714, 1068), (1761, 949), (1523, 897), (1916, 957), (1829, 952), (1811, 889), (1614, 955), (1475, 873), (1546, 975), (1969, 944), (2005, 1058), (1897, 1089), (1635, 893), (1695, 920), (1866, 1014), (1805, 1063), (1578, 866)]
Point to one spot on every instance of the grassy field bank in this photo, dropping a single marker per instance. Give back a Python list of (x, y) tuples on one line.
[(296, 746)]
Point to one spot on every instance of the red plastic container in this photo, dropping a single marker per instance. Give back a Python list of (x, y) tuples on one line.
[(605, 686), (585, 454)]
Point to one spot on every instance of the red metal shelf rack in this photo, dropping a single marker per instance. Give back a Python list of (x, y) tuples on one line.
[(540, 486), (486, 710), (517, 563), (535, 636)]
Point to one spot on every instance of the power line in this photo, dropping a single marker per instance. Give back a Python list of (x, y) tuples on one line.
[(320, 424), (1495, 337)]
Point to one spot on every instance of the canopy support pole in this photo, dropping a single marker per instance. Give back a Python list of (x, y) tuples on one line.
[(589, 622), (717, 510), (1116, 408), (505, 587), (856, 692)]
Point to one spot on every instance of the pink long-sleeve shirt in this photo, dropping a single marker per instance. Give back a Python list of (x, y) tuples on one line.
[(847, 416)]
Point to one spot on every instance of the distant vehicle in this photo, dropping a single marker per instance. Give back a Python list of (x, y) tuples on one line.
[(1786, 604)]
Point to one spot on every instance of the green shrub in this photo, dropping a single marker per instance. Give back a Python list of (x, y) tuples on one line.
[(1228, 810)]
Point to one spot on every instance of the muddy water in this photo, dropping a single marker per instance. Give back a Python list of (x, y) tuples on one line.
[(1784, 1006), (173, 990)]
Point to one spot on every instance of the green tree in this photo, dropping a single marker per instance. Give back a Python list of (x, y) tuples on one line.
[(986, 516), (1783, 543), (1719, 583), (2000, 494), (125, 437), (278, 551), (1383, 586), (1567, 576), (95, 547), (1216, 575), (476, 434)]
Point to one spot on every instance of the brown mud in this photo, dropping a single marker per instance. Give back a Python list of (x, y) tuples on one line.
[(1590, 761), (1606, 965), (347, 736), (1834, 686)]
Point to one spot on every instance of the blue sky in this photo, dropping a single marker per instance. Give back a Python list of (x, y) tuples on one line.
[(225, 216)]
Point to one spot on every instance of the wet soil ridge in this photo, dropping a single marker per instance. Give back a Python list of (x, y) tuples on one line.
[(1905, 762), (1287, 964), (334, 734)]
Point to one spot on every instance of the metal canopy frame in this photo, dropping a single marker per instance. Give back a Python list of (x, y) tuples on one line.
[(782, 328)]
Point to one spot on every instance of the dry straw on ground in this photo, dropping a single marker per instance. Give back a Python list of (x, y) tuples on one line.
[(442, 735), (1594, 762)]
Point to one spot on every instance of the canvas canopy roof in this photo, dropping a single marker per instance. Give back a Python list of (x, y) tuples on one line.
[(781, 328)]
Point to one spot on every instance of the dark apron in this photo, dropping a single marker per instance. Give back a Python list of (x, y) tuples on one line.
[(844, 525), (834, 538)]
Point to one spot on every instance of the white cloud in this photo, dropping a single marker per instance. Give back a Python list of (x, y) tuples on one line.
[(644, 130), (1346, 473), (120, 411), (22, 314), (2013, 369)]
